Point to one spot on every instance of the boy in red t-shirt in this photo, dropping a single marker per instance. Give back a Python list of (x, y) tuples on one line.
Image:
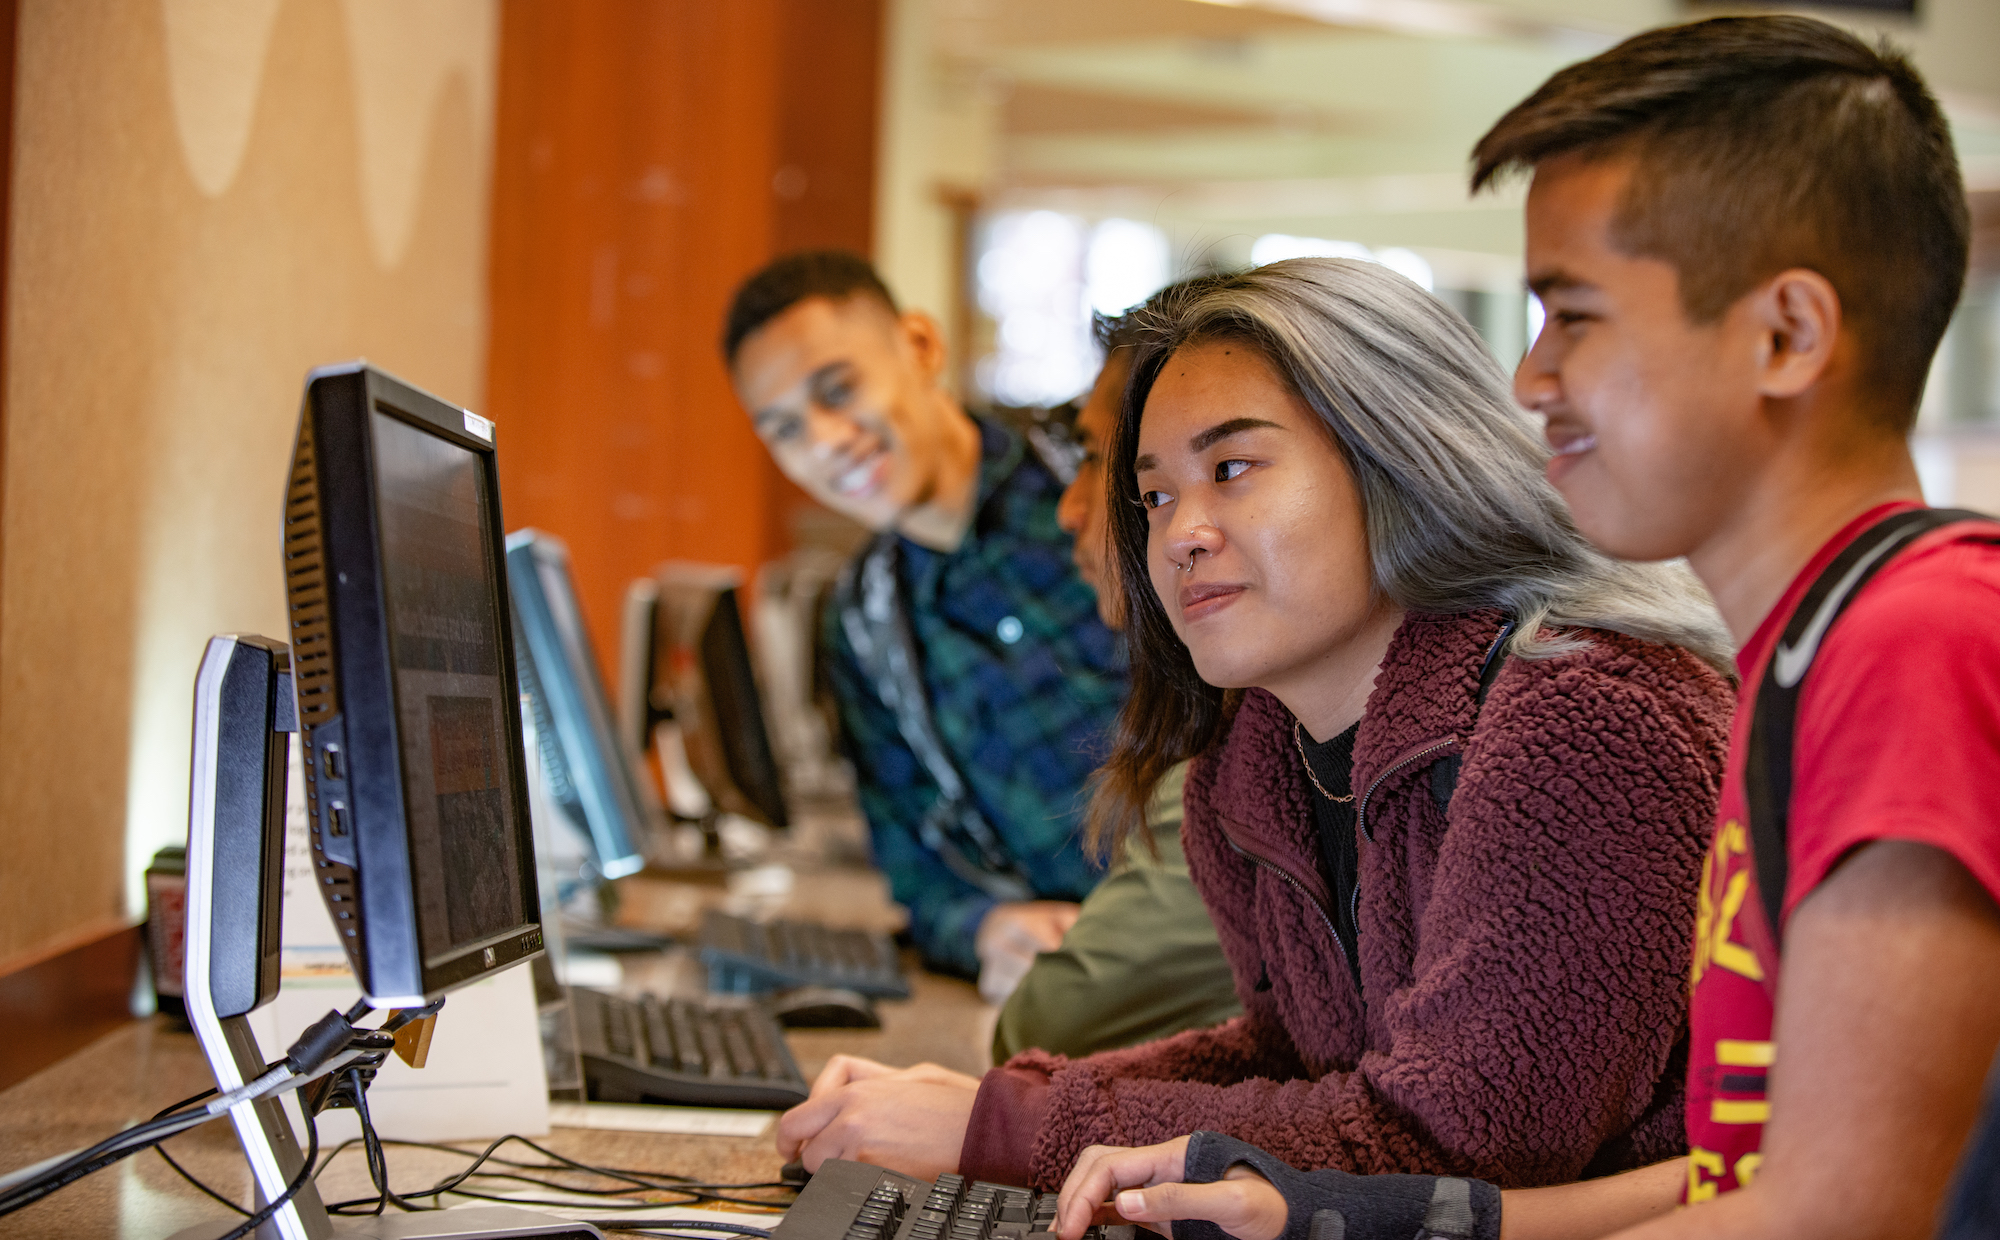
[(1748, 235)]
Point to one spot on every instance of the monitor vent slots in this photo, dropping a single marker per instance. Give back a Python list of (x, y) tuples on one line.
[(336, 883), (305, 587), (312, 665)]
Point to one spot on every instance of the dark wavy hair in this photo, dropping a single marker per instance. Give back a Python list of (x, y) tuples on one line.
[(1459, 515)]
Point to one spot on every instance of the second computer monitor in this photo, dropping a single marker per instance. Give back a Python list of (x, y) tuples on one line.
[(590, 772)]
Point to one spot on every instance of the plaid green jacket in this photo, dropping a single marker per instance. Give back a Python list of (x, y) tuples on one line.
[(1024, 683)]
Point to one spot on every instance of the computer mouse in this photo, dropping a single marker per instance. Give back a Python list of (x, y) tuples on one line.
[(823, 1007), (795, 1173)]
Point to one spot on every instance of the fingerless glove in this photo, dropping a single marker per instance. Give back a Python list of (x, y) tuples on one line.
[(1338, 1205)]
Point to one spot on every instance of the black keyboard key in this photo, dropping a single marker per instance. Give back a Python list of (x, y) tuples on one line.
[(687, 1039), (744, 957), (685, 1053), (847, 1200), (659, 1042), (620, 1033), (714, 1049)]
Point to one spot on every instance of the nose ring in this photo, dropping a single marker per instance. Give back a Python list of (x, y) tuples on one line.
[(1189, 566)]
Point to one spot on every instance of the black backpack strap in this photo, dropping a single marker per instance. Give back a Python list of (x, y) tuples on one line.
[(1767, 773), (874, 616), (1444, 772)]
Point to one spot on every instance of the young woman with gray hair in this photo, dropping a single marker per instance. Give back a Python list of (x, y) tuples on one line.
[(1452, 780)]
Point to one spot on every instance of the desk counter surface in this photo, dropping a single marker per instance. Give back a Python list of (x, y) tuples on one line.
[(132, 1073)]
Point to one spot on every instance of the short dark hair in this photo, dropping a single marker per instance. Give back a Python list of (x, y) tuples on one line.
[(787, 281), (1764, 143)]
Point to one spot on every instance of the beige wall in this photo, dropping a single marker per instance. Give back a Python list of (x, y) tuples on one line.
[(210, 196), (939, 133)]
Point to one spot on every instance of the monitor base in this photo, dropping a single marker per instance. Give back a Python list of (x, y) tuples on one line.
[(463, 1223)]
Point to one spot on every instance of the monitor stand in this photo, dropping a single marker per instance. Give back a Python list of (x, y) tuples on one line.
[(236, 808)]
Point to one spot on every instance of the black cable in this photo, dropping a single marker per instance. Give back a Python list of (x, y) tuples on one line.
[(650, 1179), (378, 1165), (634, 1180), (187, 1175), (322, 1040), (183, 1172), (97, 1157), (675, 1182), (371, 1145), (569, 1164), (299, 1181)]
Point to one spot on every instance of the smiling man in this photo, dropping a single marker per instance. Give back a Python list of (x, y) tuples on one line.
[(1749, 235), (976, 683)]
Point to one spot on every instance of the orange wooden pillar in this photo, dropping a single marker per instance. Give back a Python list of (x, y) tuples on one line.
[(650, 154)]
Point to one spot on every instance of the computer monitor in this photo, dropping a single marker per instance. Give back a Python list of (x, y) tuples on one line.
[(591, 772), (685, 661), (404, 666)]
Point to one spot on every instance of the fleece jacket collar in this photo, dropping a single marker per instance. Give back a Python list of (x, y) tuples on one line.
[(1421, 709)]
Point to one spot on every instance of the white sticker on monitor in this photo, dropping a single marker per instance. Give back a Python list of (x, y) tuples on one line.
[(476, 425)]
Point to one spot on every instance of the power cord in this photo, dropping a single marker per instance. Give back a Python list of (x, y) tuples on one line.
[(299, 1181), (347, 1056), (322, 1048), (183, 1172), (628, 1181)]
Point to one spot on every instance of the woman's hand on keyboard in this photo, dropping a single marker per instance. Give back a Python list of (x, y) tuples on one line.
[(1116, 1184), (910, 1120)]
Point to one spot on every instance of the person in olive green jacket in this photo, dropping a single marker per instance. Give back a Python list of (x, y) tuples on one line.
[(1142, 960)]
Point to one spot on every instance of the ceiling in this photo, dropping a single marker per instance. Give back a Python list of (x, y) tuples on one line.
[(1340, 118)]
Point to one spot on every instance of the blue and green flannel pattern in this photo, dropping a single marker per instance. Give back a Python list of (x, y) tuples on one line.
[(1025, 682)]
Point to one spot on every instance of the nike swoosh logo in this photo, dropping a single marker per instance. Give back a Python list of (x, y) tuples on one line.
[(1789, 664)]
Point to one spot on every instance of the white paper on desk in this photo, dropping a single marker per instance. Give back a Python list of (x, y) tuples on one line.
[(484, 1077), (647, 1117)]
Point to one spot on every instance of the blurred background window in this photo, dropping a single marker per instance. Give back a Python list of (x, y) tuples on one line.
[(1074, 155)]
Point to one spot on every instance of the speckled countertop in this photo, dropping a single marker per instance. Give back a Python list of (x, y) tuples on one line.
[(132, 1073)]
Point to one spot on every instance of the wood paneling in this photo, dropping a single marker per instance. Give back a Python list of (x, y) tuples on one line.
[(66, 1002), (828, 103), (649, 156), (10, 24)]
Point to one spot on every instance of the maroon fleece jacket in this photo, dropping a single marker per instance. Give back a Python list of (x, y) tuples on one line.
[(1522, 1008)]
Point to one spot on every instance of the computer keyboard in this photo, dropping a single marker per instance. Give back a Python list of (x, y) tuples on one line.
[(748, 957), (854, 1201), (685, 1052)]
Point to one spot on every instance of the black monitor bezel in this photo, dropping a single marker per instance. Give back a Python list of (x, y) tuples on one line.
[(390, 962)]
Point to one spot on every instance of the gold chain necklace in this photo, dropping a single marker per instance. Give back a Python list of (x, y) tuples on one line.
[(1298, 739)]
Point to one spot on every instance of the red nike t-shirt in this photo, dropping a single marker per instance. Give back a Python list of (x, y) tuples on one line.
[(1897, 737)]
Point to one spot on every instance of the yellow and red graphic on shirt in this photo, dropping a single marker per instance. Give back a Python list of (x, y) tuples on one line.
[(1725, 885), (1732, 1052)]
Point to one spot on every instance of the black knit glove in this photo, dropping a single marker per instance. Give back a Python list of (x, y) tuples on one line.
[(1337, 1205)]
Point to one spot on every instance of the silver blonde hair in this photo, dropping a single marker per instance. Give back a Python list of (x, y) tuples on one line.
[(1459, 513)]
